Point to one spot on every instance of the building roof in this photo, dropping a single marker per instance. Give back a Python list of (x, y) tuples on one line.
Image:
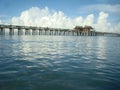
[(88, 27), (78, 27)]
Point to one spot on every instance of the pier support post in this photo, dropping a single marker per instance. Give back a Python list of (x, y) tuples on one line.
[(55, 32), (2, 31), (50, 32), (93, 33), (11, 31), (45, 32), (27, 31), (40, 31), (20, 31), (80, 33), (89, 33), (34, 32)]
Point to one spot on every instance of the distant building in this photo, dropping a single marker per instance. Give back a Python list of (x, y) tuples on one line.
[(83, 29)]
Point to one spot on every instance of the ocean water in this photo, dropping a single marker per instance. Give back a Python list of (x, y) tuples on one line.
[(59, 63)]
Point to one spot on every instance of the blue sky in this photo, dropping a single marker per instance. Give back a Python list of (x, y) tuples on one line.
[(71, 8)]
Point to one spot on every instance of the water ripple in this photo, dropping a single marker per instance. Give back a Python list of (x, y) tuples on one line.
[(59, 63)]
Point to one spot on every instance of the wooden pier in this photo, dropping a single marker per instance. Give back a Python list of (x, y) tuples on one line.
[(32, 30)]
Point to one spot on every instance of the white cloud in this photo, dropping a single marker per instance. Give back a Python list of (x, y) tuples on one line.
[(46, 18), (41, 17), (89, 20), (102, 23), (104, 26)]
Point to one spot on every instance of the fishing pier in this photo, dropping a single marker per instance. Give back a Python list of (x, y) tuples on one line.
[(33, 30)]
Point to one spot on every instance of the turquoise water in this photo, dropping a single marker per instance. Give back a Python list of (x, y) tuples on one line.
[(59, 63)]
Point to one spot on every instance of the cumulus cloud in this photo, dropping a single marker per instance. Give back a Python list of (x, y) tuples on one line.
[(42, 17), (36, 16), (102, 23), (89, 20), (46, 18), (105, 26)]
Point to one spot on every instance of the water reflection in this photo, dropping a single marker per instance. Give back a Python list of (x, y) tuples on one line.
[(101, 48)]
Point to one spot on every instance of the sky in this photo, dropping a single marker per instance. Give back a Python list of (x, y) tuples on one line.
[(103, 15)]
